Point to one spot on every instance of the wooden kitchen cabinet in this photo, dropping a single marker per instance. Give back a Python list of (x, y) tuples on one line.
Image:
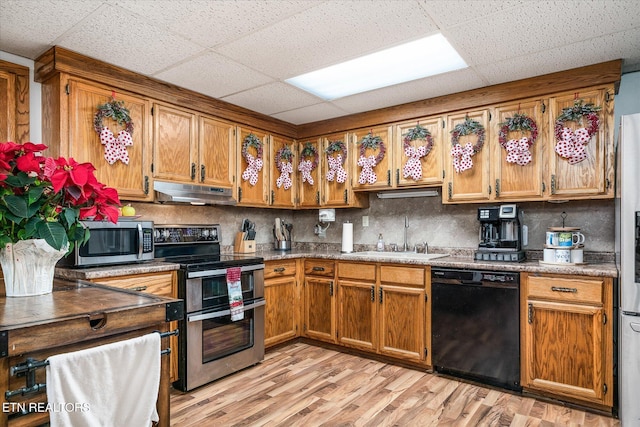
[(333, 192), (567, 343), (383, 309), (319, 300), (471, 184), (310, 195), (382, 168), (69, 107), (253, 193), (216, 152), (14, 102), (279, 195), (162, 284), (431, 165), (282, 296)]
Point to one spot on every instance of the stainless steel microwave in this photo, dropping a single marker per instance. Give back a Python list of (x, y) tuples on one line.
[(109, 243)]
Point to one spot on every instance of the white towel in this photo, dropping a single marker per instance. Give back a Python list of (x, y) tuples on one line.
[(110, 385)]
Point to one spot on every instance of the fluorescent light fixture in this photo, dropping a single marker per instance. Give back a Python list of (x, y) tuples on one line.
[(402, 194), (414, 60)]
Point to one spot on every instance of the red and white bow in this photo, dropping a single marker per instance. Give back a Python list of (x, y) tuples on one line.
[(305, 167), (336, 170), (286, 169), (573, 145), (115, 148), (254, 165), (413, 167), (462, 156), (367, 175), (518, 151)]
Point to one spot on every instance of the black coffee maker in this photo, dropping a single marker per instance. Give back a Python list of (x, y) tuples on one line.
[(500, 234)]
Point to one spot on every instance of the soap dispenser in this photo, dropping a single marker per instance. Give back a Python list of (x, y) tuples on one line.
[(380, 246)]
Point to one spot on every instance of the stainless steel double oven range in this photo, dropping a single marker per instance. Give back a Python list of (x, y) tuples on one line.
[(211, 344)]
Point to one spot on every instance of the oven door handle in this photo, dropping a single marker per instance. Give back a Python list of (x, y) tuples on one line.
[(217, 314), (222, 271)]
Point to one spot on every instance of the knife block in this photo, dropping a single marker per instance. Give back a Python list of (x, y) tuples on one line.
[(243, 246)]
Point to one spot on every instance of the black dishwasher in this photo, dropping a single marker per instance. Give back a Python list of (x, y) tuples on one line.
[(475, 325)]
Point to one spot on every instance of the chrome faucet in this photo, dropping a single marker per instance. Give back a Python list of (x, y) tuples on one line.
[(405, 247), (426, 247)]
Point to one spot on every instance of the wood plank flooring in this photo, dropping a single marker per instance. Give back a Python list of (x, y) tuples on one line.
[(303, 385)]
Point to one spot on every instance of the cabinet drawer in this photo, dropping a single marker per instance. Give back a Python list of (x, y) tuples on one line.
[(279, 269), (155, 283), (402, 275), (587, 290), (365, 272), (319, 267)]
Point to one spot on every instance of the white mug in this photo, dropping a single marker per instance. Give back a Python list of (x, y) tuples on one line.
[(551, 238), (549, 255), (576, 256), (563, 255), (577, 238)]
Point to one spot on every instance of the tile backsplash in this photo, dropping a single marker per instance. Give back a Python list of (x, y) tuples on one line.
[(442, 226)]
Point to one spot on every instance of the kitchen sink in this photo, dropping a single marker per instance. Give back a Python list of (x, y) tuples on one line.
[(396, 255)]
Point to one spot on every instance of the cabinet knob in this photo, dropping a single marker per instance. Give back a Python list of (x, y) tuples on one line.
[(202, 173), (193, 171)]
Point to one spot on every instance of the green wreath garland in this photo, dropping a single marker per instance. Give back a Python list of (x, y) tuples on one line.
[(372, 142), (116, 111), (469, 127)]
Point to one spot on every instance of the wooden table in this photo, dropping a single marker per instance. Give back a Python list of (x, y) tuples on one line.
[(76, 315)]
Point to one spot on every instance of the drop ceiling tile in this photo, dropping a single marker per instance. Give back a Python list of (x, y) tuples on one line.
[(209, 23), (625, 44), (213, 75), (430, 87), (448, 13), (329, 33), (28, 28), (312, 113), (272, 98), (133, 44)]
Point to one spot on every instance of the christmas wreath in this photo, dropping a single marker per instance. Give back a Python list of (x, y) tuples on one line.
[(283, 162), (462, 154), (254, 164), (115, 148), (518, 149), (367, 175), (413, 167), (307, 166), (336, 162), (572, 145)]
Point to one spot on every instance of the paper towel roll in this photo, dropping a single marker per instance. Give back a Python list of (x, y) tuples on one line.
[(347, 237)]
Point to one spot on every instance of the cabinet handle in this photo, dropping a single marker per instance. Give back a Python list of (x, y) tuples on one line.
[(450, 190), (146, 184), (553, 184), (193, 171), (530, 313), (489, 189), (346, 196), (380, 294), (331, 288), (239, 194), (543, 108), (278, 270), (273, 196), (318, 269), (497, 188), (317, 197), (561, 289), (544, 187), (202, 173), (389, 177), (397, 176), (373, 293), (139, 288)]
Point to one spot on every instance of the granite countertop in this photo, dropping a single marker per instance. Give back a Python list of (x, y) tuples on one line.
[(598, 269)]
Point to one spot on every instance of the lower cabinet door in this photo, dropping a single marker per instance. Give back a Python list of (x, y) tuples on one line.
[(402, 322), (281, 299), (319, 310), (358, 313)]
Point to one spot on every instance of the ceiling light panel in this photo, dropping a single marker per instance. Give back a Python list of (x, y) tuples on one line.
[(414, 60)]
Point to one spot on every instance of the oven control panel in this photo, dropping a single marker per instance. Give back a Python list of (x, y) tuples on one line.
[(171, 234)]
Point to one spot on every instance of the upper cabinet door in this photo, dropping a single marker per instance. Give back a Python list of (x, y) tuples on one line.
[(253, 167), (581, 157), (217, 152), (337, 175), (418, 149), (130, 179), (467, 169), (517, 160), (309, 165), (372, 158), (283, 173), (175, 144)]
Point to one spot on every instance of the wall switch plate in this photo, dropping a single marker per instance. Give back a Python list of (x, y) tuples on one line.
[(365, 221)]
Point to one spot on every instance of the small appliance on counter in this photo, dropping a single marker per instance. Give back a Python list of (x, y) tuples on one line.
[(500, 234)]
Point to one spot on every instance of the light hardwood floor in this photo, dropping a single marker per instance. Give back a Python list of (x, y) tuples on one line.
[(304, 385)]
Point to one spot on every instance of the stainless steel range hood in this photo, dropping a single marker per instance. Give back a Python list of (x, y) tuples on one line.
[(194, 194)]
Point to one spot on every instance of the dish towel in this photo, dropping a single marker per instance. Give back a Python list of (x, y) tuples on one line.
[(111, 385), (234, 288)]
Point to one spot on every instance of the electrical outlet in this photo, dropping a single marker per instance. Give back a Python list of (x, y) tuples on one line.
[(365, 221)]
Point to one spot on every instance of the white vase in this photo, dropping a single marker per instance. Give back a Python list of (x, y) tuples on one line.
[(28, 267)]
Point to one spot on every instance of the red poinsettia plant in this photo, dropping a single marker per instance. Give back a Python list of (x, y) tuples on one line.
[(45, 198)]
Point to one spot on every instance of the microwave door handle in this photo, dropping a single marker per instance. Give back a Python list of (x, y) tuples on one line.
[(139, 227), (223, 313)]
